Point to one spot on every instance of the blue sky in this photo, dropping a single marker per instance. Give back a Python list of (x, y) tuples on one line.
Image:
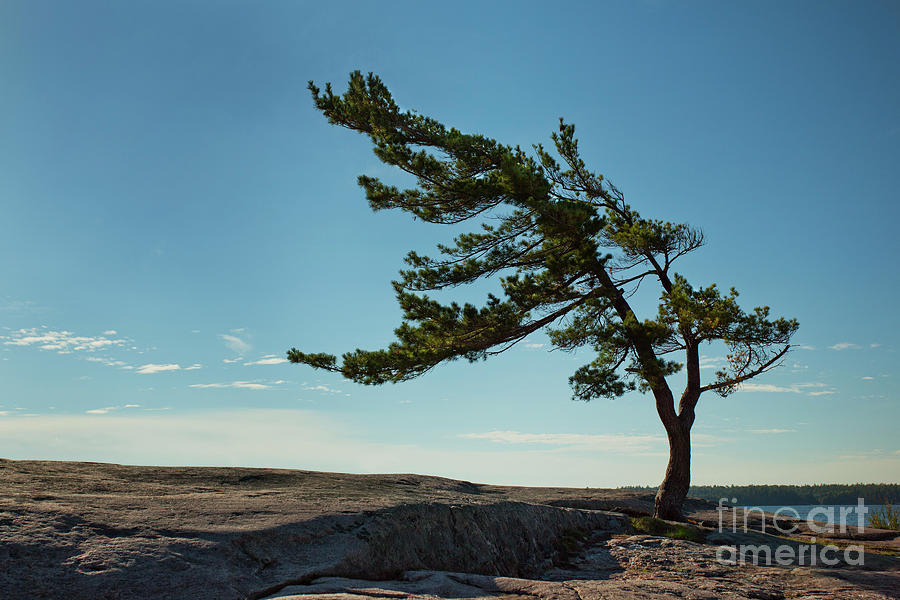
[(175, 215)]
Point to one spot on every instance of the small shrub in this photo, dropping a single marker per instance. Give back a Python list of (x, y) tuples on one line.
[(677, 531), (886, 517)]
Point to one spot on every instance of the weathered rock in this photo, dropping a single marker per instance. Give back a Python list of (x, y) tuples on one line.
[(628, 568), (101, 531), (81, 530)]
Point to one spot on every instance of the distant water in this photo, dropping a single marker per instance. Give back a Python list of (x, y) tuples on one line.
[(834, 516)]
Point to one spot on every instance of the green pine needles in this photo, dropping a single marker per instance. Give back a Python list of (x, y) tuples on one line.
[(568, 252)]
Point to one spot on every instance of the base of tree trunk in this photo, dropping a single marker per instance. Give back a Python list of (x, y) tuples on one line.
[(675, 485), (668, 507)]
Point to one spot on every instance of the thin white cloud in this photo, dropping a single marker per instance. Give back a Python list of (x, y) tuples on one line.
[(712, 362), (110, 332), (874, 345), (235, 343), (772, 431), (534, 345), (269, 359), (229, 361), (844, 346), (618, 442), (194, 367), (110, 362), (108, 409), (765, 387), (246, 385), (151, 368), (867, 378), (14, 305), (320, 388), (708, 440), (810, 389), (806, 347)]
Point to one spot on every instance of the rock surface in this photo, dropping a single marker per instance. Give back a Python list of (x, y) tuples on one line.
[(89, 530)]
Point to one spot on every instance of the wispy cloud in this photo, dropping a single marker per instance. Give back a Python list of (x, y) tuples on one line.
[(618, 442), (246, 385), (109, 409), (765, 387), (14, 305), (712, 362), (235, 343), (110, 362), (268, 359), (708, 439), (320, 388), (229, 361), (873, 454), (194, 367), (806, 347), (810, 389), (534, 345), (772, 431), (844, 346), (152, 368)]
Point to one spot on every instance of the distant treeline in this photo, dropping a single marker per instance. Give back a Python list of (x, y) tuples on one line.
[(769, 495)]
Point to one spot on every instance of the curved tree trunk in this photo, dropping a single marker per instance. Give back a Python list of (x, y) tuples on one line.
[(674, 487)]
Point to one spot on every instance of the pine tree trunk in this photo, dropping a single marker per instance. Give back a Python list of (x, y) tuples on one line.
[(674, 487)]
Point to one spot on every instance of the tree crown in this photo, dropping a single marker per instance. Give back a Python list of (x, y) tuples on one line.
[(567, 250)]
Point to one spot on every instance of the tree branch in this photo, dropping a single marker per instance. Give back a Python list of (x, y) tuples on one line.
[(736, 380)]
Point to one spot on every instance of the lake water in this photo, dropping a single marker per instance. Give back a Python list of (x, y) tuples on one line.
[(822, 512)]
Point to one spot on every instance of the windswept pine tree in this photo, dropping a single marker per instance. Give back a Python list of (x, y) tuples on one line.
[(568, 251)]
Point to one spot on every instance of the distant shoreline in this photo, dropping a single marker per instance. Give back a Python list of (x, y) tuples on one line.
[(826, 494)]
